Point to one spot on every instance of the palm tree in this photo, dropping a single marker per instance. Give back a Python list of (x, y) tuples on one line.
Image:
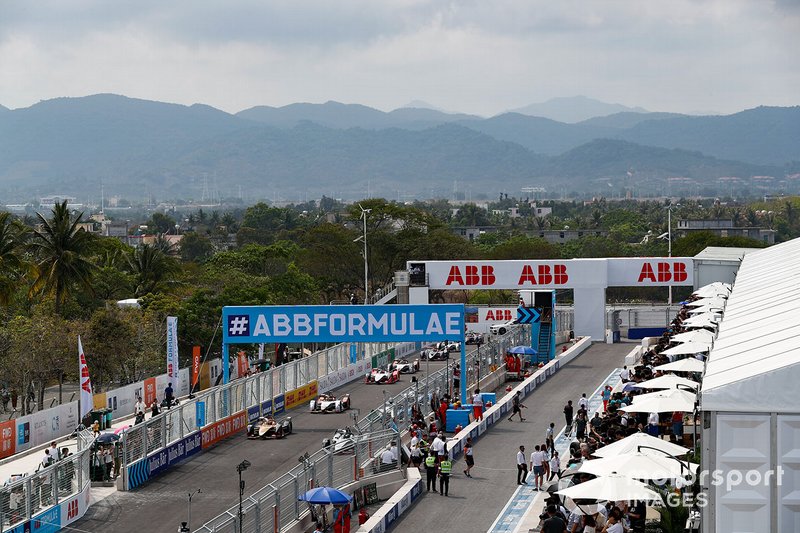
[(11, 262), (61, 249), (151, 267)]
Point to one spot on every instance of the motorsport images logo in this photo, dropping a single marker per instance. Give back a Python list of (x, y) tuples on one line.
[(238, 326)]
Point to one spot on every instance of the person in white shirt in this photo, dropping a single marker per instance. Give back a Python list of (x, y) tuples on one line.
[(522, 466), (537, 458), (54, 451), (387, 457), (47, 459), (393, 449), (138, 407), (477, 405), (583, 403), (555, 465), (625, 375), (652, 424)]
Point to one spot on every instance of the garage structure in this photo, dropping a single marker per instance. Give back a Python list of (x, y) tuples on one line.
[(751, 413)]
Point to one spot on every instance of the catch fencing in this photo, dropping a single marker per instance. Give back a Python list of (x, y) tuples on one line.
[(276, 506), (220, 409), (53, 496)]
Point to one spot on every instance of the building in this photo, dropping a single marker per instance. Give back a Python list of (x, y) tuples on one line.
[(724, 227), (751, 416), (560, 236), (716, 263)]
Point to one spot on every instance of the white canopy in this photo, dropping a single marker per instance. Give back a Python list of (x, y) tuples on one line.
[(662, 402), (702, 318), (690, 364), (640, 442), (717, 301), (755, 363), (701, 335), (668, 382), (686, 348), (611, 488), (713, 289), (638, 465)]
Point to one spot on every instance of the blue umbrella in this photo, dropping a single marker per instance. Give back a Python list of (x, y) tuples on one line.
[(325, 495), (522, 350), (107, 438)]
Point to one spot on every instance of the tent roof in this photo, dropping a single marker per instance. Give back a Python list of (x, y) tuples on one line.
[(721, 253), (755, 363)]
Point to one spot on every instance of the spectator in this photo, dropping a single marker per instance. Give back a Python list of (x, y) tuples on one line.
[(477, 405), (468, 457), (522, 466), (553, 523), (516, 407), (168, 395), (568, 412), (555, 465)]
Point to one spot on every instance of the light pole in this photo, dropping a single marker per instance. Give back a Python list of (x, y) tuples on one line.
[(241, 467), (364, 213), (189, 514)]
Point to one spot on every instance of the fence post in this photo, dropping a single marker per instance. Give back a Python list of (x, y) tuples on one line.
[(330, 467), (296, 495), (258, 516)]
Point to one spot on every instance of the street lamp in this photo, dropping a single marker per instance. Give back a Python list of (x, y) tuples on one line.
[(364, 213), (189, 517), (241, 467)]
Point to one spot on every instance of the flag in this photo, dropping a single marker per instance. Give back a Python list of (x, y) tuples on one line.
[(195, 367), (172, 348), (86, 399)]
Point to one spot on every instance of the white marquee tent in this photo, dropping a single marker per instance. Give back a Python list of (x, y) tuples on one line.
[(749, 397)]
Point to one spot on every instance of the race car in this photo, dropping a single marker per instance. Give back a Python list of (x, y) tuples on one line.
[(328, 403), (435, 354), (341, 441), (474, 338), (404, 366), (449, 346), (381, 376), (266, 427)]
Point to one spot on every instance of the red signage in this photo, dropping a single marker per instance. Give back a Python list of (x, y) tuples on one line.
[(149, 391), (663, 272), (72, 509), (224, 428), (499, 314), (244, 366), (7, 438), (195, 365)]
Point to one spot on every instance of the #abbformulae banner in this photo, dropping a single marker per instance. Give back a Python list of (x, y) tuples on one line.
[(351, 323), (172, 347)]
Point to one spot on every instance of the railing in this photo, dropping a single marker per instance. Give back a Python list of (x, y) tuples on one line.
[(37, 496), (396, 411), (218, 403), (640, 316), (380, 292), (275, 507)]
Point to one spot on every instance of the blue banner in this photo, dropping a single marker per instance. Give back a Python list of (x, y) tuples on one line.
[(266, 407), (186, 447), (343, 323), (200, 413), (253, 413), (279, 406)]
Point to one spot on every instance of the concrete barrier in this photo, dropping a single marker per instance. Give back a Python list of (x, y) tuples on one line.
[(396, 505)]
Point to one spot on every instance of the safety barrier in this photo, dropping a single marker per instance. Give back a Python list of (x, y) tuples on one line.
[(276, 507), (50, 498), (153, 446)]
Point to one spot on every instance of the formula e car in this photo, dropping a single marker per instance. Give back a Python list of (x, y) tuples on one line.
[(266, 427), (381, 376), (404, 366), (328, 403), (474, 338), (435, 354), (341, 441)]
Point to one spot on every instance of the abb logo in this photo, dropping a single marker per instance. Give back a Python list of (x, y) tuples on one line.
[(541, 275), (471, 276), (663, 272), (544, 275), (72, 509), (499, 314)]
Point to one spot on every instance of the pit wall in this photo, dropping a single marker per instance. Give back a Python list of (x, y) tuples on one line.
[(401, 501)]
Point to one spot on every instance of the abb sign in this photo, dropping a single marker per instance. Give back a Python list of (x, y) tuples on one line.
[(472, 275), (663, 272), (500, 315)]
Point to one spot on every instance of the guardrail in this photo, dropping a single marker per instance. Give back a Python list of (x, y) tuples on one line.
[(153, 446), (276, 507), (397, 409), (53, 497)]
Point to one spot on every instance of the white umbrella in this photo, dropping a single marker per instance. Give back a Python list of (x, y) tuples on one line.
[(705, 309), (687, 348), (611, 488), (667, 382), (701, 325), (708, 302), (638, 465), (708, 316), (640, 442), (713, 289), (690, 364), (700, 335), (662, 402)]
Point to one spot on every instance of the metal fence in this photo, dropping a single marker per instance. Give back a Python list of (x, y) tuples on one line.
[(220, 402), (277, 504), (396, 410), (645, 316), (32, 495)]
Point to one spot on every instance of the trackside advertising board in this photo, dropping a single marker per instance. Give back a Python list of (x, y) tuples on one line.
[(351, 323)]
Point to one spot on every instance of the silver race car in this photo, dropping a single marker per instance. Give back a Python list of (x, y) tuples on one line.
[(266, 427), (404, 366)]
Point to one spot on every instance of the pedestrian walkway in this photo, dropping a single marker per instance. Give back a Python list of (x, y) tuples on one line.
[(473, 503), (516, 509)]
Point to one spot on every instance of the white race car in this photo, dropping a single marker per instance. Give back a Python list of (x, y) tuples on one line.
[(404, 366), (328, 403), (342, 440), (381, 376)]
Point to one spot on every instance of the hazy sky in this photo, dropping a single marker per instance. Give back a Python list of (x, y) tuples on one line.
[(479, 57)]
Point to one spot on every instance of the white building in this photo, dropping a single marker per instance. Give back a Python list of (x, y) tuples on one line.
[(749, 399)]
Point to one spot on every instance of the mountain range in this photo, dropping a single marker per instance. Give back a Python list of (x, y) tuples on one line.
[(71, 145)]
